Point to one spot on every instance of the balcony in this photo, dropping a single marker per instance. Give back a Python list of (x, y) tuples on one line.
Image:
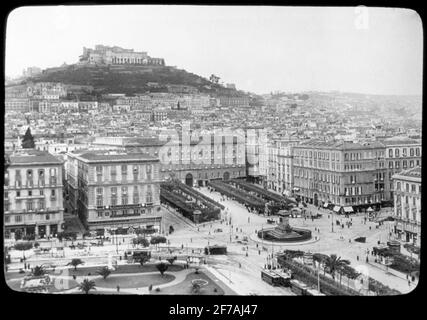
[(29, 197)]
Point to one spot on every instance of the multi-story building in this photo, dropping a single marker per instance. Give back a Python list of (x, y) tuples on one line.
[(47, 90), (234, 102), (31, 71), (159, 115), (33, 194), (407, 205), (193, 161), (347, 175), (401, 153), (17, 105), (111, 189), (256, 154), (280, 165)]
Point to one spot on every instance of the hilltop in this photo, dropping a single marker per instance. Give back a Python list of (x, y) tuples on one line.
[(130, 79)]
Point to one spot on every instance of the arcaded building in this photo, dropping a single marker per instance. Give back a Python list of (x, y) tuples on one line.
[(194, 162)]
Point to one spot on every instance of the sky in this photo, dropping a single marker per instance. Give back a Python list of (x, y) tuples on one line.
[(258, 48)]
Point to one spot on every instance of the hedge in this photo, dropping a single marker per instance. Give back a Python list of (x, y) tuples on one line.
[(310, 277)]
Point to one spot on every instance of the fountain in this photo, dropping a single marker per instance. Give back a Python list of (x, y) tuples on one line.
[(283, 232)]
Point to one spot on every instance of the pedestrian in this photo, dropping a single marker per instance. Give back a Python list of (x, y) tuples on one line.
[(118, 288), (357, 258)]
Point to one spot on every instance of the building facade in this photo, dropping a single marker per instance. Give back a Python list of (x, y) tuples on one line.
[(280, 165), (234, 102), (110, 190), (117, 56), (407, 205), (33, 199), (401, 154), (19, 105), (340, 173), (193, 161), (256, 143)]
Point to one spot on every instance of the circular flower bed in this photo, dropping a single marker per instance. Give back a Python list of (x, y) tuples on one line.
[(200, 282)]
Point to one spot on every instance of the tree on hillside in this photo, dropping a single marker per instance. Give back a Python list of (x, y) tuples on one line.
[(28, 140)]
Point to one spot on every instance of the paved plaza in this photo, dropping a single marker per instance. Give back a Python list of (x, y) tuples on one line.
[(246, 255)]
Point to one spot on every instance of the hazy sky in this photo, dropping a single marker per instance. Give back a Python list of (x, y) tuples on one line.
[(260, 49)]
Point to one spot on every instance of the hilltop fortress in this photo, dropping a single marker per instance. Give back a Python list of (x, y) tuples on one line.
[(117, 56)]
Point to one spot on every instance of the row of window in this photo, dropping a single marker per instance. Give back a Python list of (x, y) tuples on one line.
[(118, 213), (408, 187), (396, 164), (412, 152), (29, 217), (30, 193)]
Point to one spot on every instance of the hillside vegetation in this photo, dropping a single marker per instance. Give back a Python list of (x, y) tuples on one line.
[(131, 79)]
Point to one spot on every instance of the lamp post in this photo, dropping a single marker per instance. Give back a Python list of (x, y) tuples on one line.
[(332, 223)]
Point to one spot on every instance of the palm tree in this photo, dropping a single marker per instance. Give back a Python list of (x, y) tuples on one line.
[(75, 263), (87, 285), (334, 264), (162, 267), (104, 272), (38, 271)]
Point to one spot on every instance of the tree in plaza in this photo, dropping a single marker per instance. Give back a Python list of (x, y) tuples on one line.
[(38, 271), (23, 246), (87, 285), (171, 260), (196, 287), (75, 263), (28, 140), (104, 272), (334, 264), (140, 240), (162, 267), (143, 259), (158, 239)]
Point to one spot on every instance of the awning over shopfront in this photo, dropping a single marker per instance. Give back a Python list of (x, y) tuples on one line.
[(337, 208), (326, 204), (348, 209)]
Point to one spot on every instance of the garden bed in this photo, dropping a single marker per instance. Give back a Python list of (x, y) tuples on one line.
[(185, 287), (124, 281)]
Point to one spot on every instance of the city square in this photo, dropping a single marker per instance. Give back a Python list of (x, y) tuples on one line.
[(268, 169)]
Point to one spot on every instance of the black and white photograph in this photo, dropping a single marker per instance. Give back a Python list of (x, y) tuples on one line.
[(212, 150)]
